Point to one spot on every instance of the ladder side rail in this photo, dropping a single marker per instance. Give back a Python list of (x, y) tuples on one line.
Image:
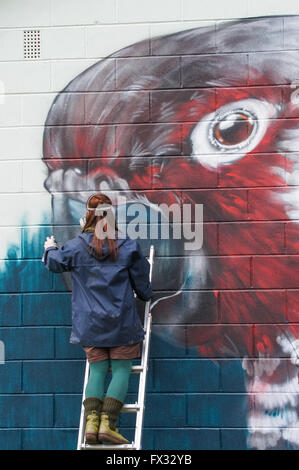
[(82, 416), (141, 392), (144, 363), (148, 302)]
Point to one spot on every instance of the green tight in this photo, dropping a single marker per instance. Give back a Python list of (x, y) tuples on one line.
[(118, 387)]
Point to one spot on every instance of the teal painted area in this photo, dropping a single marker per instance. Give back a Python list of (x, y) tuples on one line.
[(11, 309), (42, 380)]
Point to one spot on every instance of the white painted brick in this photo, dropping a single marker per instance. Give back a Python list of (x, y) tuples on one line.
[(26, 76), (10, 177), (11, 238), (133, 11), (16, 13), (63, 71), (74, 12), (214, 9), (25, 209), (11, 44), (102, 41), (10, 111), (160, 29), (11, 209), (33, 176), (21, 142), (34, 108), (272, 7), (60, 43)]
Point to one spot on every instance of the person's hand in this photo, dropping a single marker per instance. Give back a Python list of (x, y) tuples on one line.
[(49, 242)]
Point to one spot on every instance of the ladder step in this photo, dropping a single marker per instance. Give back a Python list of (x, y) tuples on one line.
[(135, 369), (108, 446), (130, 408)]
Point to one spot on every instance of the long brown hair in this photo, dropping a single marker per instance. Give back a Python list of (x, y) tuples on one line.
[(90, 223)]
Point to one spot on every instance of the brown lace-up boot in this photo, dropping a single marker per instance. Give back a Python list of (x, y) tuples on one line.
[(93, 407), (108, 431)]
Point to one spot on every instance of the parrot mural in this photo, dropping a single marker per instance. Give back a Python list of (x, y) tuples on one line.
[(205, 116)]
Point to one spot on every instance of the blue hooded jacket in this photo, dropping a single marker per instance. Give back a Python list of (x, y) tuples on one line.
[(104, 312)]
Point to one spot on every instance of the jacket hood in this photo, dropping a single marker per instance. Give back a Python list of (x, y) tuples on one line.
[(87, 238)]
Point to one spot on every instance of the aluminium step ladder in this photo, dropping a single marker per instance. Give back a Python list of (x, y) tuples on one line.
[(139, 406)]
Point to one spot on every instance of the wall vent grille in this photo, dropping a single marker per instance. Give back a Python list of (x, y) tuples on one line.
[(32, 44)]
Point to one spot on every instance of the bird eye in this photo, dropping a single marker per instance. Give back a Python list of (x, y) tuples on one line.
[(233, 129)]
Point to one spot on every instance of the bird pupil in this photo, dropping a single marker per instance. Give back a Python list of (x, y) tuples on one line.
[(233, 129)]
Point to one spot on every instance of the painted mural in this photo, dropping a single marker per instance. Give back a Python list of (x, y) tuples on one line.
[(205, 116)]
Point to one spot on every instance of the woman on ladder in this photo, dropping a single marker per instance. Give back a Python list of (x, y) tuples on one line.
[(107, 267)]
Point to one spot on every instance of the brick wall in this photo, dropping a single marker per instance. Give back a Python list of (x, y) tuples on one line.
[(198, 395)]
